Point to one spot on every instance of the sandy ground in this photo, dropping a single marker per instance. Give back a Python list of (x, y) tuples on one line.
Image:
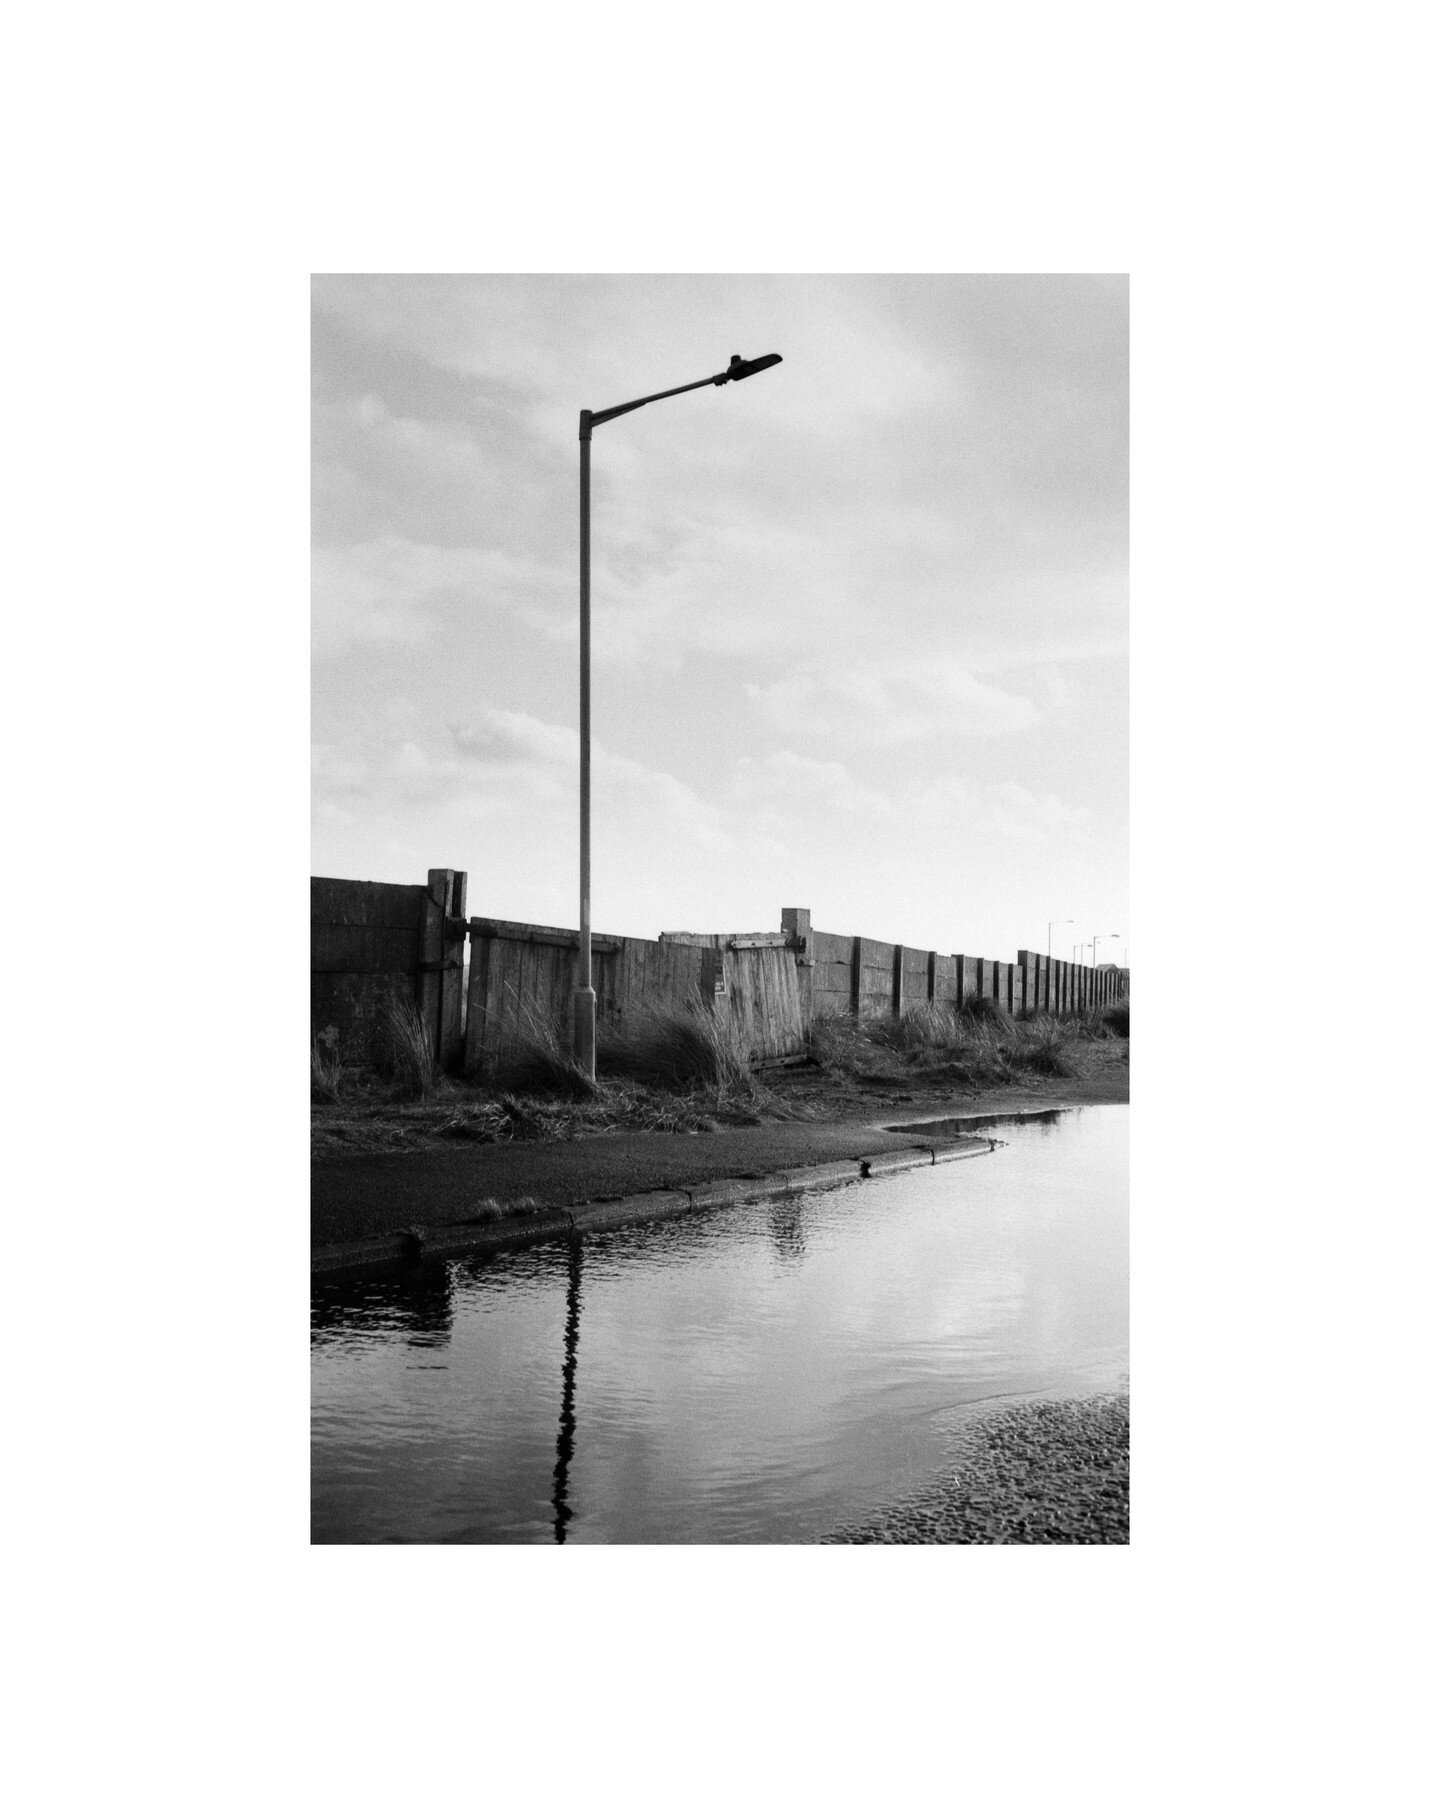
[(1039, 1473)]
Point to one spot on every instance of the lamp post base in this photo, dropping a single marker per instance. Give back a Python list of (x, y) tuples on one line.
[(584, 1021)]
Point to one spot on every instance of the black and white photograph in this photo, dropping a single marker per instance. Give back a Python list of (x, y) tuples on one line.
[(693, 592), (720, 998)]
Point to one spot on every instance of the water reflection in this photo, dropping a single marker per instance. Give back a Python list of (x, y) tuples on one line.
[(416, 1303), (787, 1229), (565, 1441)]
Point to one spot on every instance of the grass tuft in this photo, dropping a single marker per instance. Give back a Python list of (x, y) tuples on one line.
[(984, 1012), (1117, 1017), (537, 1060), (836, 1042), (1040, 1049), (410, 1059), (676, 1048), (324, 1069)]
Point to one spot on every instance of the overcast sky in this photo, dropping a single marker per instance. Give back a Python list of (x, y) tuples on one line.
[(859, 621)]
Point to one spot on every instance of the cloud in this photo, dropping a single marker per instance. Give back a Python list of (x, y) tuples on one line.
[(504, 737), (393, 591), (785, 787), (785, 784), (892, 704), (517, 754)]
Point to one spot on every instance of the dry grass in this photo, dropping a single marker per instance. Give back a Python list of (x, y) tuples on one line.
[(981, 1045), (538, 1060), (677, 1048), (324, 1068), (682, 1071), (675, 1070), (410, 1058), (985, 1013)]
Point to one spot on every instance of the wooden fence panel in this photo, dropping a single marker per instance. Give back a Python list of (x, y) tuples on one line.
[(372, 943), (523, 974), (762, 986), (365, 941)]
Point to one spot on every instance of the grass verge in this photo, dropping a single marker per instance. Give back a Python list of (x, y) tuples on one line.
[(981, 1045)]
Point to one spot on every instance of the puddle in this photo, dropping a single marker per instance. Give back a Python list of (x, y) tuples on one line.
[(758, 1374)]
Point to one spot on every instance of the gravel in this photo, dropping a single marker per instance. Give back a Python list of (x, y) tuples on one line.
[(1040, 1473)]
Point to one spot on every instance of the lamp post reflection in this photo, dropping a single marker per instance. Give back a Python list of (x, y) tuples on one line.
[(565, 1442)]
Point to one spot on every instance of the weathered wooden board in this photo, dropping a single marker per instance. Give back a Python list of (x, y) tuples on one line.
[(353, 1005), (346, 903), (762, 989), (518, 983), (363, 949)]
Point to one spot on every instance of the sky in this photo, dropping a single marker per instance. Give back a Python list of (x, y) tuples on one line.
[(859, 622)]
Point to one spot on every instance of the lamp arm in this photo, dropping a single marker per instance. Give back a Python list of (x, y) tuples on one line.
[(619, 410)]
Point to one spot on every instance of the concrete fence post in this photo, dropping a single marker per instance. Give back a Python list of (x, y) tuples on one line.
[(855, 978), (897, 982)]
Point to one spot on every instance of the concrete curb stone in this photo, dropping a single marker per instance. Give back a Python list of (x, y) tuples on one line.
[(474, 1239)]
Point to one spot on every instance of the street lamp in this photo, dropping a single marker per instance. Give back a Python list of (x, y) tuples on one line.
[(584, 1003), (1050, 927), (1100, 937)]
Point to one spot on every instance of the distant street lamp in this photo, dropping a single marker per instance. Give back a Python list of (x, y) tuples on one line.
[(1098, 938), (584, 1003), (1050, 927)]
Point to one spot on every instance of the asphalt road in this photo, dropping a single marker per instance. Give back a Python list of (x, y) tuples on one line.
[(360, 1196)]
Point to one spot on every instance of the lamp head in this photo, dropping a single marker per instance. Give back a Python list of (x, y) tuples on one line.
[(742, 369)]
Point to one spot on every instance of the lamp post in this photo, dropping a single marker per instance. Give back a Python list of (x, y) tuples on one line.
[(1050, 928), (1098, 938), (584, 1002)]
